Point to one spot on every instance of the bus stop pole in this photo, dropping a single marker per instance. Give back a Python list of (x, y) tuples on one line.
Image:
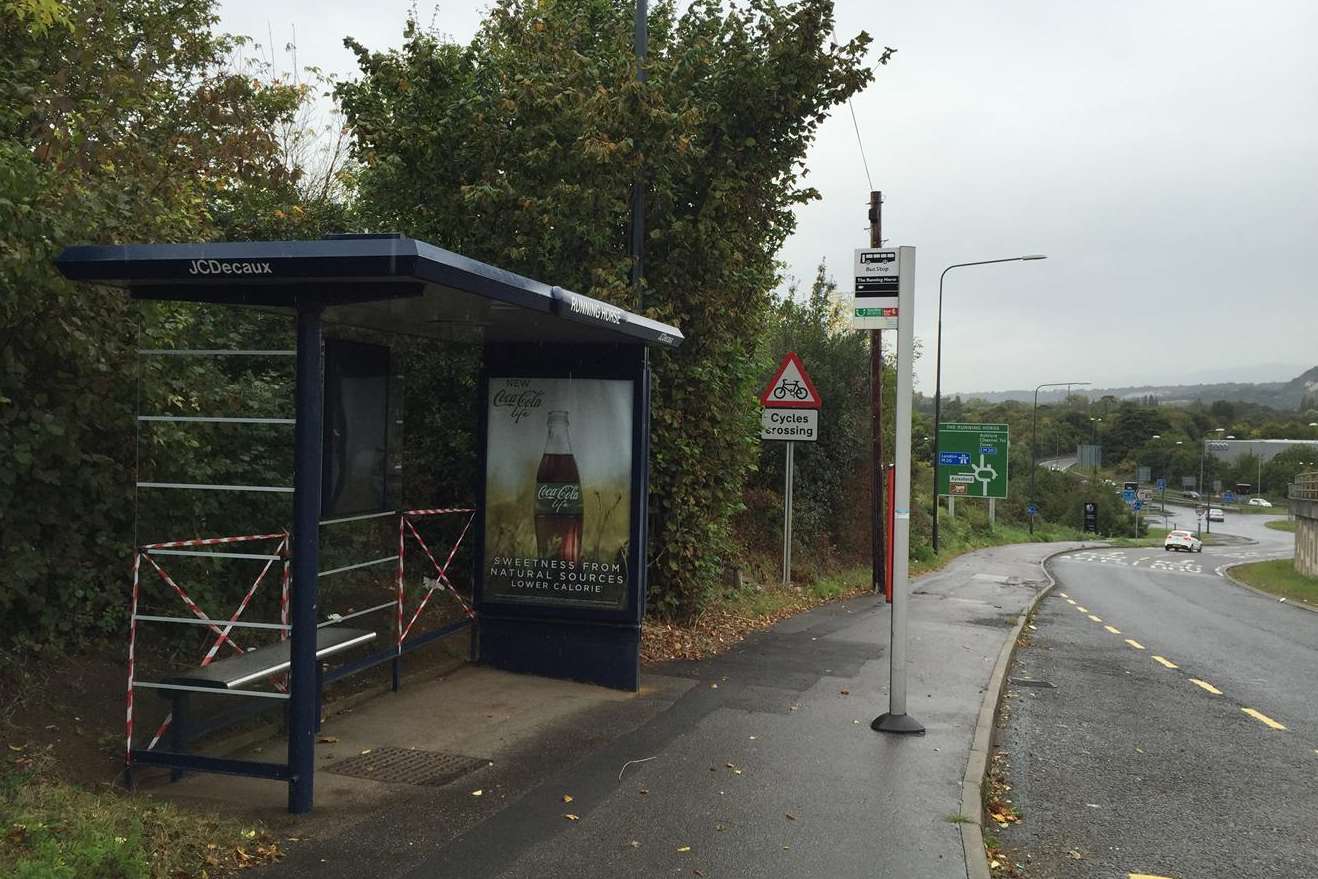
[(896, 720), (304, 695)]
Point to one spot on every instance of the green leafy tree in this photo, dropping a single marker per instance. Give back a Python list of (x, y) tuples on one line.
[(119, 121), (520, 149)]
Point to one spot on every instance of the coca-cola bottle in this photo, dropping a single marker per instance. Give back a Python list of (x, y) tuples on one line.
[(558, 496)]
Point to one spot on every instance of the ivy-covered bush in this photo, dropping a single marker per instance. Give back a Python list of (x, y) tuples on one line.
[(520, 148)]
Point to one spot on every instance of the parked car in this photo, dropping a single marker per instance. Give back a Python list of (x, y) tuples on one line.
[(1216, 515), (1259, 502), (1182, 541), (1192, 495)]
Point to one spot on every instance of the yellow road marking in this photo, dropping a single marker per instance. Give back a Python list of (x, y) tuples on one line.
[(1164, 661), (1082, 609), (1113, 629), (1263, 718), (1069, 600), (1207, 686), (1063, 594), (1133, 643), (1096, 619), (1145, 876)]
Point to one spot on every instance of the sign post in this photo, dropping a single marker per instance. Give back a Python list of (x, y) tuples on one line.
[(1091, 517), (895, 719), (791, 413)]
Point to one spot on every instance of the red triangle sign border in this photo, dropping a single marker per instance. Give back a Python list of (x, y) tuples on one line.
[(811, 401)]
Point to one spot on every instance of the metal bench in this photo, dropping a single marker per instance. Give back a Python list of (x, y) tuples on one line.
[(235, 671)]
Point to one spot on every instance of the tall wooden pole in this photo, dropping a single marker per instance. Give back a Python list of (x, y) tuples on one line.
[(878, 541)]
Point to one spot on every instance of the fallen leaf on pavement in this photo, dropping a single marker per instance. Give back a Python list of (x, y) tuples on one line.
[(327, 740), (1075, 854), (569, 816), (477, 793), (635, 843), (567, 798), (684, 848), (790, 816), (845, 692)]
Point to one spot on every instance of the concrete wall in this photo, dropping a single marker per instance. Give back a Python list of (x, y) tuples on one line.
[(1306, 536)]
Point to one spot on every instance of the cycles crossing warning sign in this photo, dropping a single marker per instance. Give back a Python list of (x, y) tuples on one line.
[(790, 387)]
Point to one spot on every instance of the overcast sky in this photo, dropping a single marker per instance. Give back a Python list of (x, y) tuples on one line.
[(1162, 153)]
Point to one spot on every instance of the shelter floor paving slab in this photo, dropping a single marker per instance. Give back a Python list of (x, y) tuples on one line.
[(759, 762)]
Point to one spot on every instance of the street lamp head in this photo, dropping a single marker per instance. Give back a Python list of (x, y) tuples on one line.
[(1030, 256)]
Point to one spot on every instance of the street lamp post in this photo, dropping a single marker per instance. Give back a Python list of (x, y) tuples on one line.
[(1034, 438), (1093, 431), (1207, 524), (938, 364)]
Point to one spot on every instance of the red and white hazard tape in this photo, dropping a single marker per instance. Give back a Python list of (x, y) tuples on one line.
[(213, 541), (132, 648), (441, 574), (437, 512), (222, 635)]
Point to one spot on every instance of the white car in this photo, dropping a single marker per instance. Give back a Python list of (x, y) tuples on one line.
[(1259, 502), (1182, 541), (1216, 515)]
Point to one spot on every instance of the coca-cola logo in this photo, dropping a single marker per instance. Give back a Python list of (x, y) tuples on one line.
[(520, 400), (558, 497)]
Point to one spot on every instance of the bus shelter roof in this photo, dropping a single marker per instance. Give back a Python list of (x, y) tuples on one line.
[(390, 283)]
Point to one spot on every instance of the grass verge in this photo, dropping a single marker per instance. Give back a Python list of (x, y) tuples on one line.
[(50, 829), (1154, 537), (1281, 525), (1279, 578)]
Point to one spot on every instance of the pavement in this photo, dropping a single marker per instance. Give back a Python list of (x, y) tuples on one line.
[(759, 762), (1162, 721)]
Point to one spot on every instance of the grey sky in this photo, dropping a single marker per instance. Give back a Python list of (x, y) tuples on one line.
[(1162, 153)]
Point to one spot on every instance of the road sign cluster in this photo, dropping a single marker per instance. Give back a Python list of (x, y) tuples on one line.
[(791, 404), (878, 279), (972, 460)]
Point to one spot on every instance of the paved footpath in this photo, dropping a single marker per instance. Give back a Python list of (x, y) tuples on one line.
[(757, 763)]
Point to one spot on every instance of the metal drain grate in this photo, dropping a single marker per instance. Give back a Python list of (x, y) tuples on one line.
[(407, 766)]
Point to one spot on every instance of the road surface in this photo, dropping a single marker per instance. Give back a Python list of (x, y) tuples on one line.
[(1163, 722)]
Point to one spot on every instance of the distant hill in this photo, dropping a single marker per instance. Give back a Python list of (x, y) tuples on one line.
[(1278, 395)]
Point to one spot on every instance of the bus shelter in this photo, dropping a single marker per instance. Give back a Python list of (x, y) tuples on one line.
[(559, 531)]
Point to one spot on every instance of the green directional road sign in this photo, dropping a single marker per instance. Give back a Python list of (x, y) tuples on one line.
[(972, 460)]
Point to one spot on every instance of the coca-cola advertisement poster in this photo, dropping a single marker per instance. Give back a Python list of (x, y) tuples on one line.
[(558, 477)]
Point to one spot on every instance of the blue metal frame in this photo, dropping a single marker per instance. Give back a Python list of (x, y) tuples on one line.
[(311, 276), (222, 765), (304, 694), (392, 654)]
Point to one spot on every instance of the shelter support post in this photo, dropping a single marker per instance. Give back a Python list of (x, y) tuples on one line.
[(304, 701)]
